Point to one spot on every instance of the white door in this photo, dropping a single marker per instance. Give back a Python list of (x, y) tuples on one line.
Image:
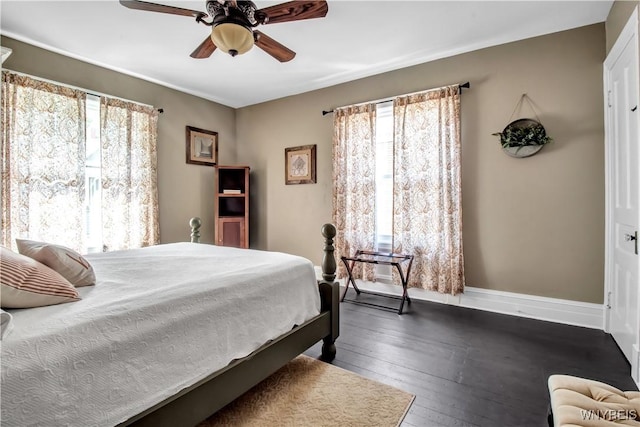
[(623, 191)]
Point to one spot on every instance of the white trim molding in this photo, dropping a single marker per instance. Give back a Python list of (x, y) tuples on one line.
[(557, 310), (635, 362), (5, 52), (568, 312)]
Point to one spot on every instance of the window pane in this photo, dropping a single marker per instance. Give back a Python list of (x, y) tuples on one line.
[(92, 184), (384, 175)]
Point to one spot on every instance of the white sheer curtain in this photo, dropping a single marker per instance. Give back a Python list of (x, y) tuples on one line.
[(43, 157), (129, 174), (354, 176), (427, 205)]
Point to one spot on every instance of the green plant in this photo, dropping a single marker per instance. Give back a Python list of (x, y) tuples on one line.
[(521, 136)]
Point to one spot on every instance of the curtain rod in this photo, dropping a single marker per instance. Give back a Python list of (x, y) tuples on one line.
[(466, 85), (87, 91)]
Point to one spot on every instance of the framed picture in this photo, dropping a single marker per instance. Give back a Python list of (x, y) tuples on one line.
[(202, 146), (300, 165)]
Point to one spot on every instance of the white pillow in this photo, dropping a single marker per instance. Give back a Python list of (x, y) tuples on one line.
[(25, 283), (67, 262)]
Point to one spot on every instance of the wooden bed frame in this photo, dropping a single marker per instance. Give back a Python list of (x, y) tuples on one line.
[(194, 404)]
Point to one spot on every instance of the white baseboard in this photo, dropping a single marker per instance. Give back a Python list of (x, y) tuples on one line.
[(568, 312), (557, 310)]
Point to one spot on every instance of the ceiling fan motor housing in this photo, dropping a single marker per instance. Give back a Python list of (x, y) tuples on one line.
[(241, 12)]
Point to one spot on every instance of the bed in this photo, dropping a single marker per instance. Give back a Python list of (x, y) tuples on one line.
[(168, 348)]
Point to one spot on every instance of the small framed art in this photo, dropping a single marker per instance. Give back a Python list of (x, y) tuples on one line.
[(300, 164), (202, 146)]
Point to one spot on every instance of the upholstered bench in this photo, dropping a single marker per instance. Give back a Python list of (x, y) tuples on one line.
[(581, 402)]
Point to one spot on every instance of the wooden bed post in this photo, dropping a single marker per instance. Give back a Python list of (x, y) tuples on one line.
[(195, 224), (330, 292)]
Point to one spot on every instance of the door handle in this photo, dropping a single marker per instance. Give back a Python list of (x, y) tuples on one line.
[(632, 238)]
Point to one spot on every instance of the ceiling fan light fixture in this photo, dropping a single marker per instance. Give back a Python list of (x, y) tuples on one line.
[(235, 39)]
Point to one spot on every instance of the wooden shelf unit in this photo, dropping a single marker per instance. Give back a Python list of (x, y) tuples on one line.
[(232, 208)]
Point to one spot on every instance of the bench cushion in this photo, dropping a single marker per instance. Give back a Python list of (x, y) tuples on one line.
[(581, 402)]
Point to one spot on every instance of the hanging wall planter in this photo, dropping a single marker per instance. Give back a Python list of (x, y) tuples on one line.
[(523, 138)]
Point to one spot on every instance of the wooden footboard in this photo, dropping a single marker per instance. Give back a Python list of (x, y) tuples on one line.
[(194, 404)]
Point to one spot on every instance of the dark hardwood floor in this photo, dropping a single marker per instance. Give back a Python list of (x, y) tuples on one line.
[(469, 367)]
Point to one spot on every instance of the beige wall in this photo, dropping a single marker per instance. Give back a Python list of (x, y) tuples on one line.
[(184, 190), (617, 19), (533, 226)]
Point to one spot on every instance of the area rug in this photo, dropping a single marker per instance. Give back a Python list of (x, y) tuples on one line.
[(309, 393)]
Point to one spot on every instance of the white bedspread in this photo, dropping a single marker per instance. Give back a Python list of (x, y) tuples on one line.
[(158, 320)]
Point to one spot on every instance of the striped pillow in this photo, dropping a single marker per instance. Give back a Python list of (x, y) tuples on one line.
[(26, 283)]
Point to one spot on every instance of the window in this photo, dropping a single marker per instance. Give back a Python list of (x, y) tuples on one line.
[(384, 176), (93, 221), (397, 184), (80, 169)]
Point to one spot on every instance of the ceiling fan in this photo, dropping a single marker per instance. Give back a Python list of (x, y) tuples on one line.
[(233, 24)]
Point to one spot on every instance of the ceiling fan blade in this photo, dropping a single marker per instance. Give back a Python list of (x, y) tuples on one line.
[(273, 48), (154, 7), (295, 11), (205, 49)]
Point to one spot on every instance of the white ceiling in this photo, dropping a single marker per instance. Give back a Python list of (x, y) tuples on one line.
[(356, 39)]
